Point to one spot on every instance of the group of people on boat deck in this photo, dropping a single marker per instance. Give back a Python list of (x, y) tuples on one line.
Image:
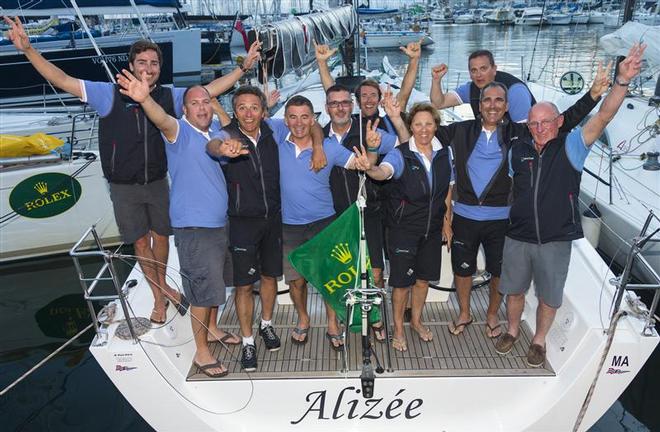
[(507, 180)]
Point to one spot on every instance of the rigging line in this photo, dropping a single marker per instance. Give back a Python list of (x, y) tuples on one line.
[(141, 341), (608, 344), (48, 357), (536, 40)]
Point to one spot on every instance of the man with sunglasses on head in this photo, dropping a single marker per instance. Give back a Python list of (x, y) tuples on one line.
[(546, 169)]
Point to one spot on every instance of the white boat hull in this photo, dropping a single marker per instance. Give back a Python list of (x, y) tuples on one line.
[(27, 236), (152, 377), (394, 39)]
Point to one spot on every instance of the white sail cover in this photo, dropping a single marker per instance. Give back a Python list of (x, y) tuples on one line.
[(620, 41)]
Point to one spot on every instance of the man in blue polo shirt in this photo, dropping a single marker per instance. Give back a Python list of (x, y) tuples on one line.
[(307, 205), (132, 152), (198, 206), (483, 71)]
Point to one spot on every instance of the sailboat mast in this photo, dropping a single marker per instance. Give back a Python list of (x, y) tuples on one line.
[(92, 40)]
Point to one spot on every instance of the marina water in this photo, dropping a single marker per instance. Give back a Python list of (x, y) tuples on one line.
[(41, 303)]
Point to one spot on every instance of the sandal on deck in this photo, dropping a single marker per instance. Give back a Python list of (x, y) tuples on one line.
[(226, 339), (332, 338), (457, 329), (300, 332), (182, 305), (154, 311), (379, 332), (492, 334), (399, 344), (205, 369), (424, 333)]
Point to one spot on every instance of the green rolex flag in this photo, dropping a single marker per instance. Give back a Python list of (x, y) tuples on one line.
[(331, 263)]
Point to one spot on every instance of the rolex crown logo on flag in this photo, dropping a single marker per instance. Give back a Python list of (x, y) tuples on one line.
[(331, 263)]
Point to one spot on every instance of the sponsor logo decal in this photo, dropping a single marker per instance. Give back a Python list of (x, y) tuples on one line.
[(120, 368), (45, 195)]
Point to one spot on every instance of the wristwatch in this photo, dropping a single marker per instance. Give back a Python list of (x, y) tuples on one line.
[(622, 84)]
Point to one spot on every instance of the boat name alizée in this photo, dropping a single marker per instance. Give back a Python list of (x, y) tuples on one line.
[(358, 408)]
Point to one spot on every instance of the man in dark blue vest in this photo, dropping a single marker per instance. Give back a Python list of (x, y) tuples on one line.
[(483, 71), (544, 217), (133, 153)]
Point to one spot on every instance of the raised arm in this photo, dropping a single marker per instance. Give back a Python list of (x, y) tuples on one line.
[(220, 112), (139, 91), (578, 111), (393, 109), (17, 35), (222, 84), (413, 50), (439, 99), (628, 69), (323, 53), (319, 160)]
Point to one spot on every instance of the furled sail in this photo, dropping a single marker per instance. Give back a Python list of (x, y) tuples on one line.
[(288, 45)]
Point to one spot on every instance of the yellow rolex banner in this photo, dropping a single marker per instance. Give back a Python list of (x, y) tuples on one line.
[(331, 263)]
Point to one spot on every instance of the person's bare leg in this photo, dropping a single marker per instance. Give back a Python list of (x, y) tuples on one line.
[(418, 300), (463, 290), (378, 277), (399, 299), (215, 332), (199, 317), (545, 315), (268, 294), (160, 245), (494, 302), (515, 304), (298, 292), (245, 309), (148, 265), (333, 325)]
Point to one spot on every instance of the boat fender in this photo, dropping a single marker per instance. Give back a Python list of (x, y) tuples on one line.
[(591, 224)]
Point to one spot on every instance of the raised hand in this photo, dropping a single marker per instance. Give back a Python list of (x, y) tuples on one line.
[(136, 89), (323, 52), (230, 148), (413, 50), (373, 137), (273, 98), (602, 80), (361, 159), (16, 34), (438, 71), (632, 65), (447, 233), (253, 55), (391, 104)]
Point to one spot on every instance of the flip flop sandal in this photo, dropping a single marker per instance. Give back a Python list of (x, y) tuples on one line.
[(379, 332), (331, 338), (225, 339), (167, 304), (424, 332), (492, 330), (182, 305), (205, 369), (457, 329), (300, 332), (399, 345)]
